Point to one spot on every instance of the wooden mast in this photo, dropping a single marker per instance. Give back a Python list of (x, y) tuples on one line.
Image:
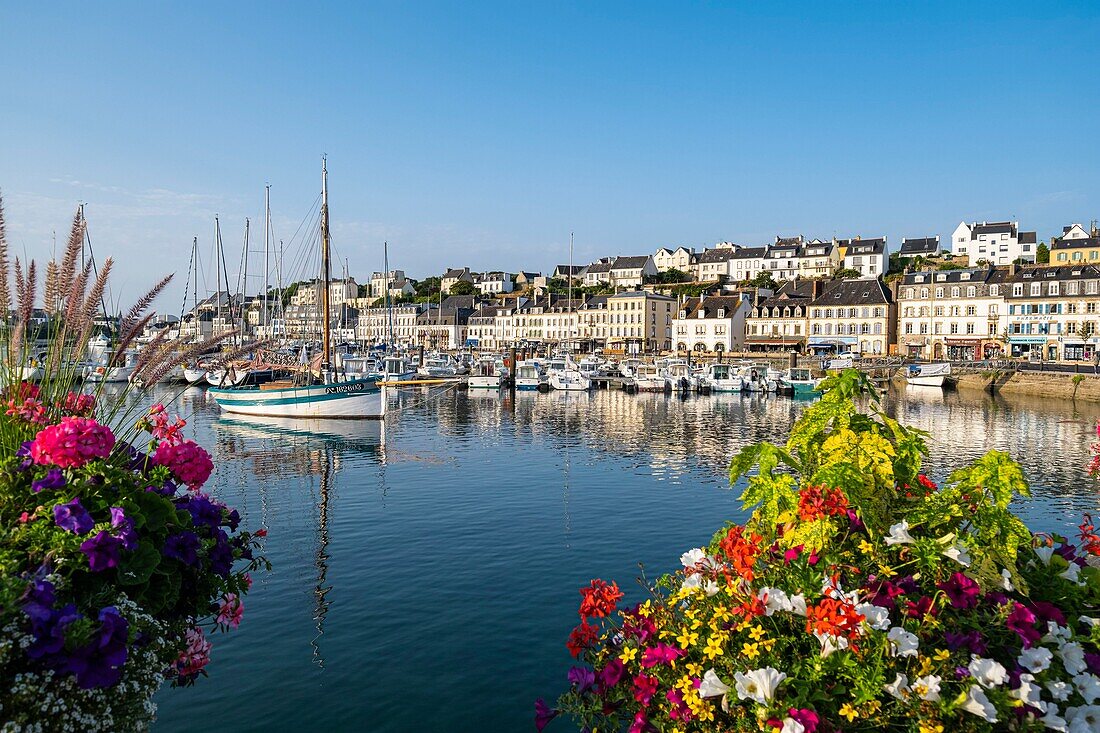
[(326, 274)]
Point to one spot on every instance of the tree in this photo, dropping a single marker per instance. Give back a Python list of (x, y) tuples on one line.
[(557, 285), (845, 273), (764, 280), (428, 287), (463, 288), (1042, 254), (671, 275)]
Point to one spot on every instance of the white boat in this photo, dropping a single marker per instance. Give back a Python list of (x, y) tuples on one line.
[(799, 381), (722, 378), (194, 373), (678, 375), (570, 379), (332, 397), (438, 365), (226, 377), (28, 373), (928, 375), (486, 373), (529, 376), (397, 368), (628, 368), (648, 378), (120, 372)]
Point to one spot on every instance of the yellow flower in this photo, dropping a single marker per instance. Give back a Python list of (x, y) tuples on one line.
[(687, 638), (713, 648), (941, 655), (645, 609), (849, 712), (768, 644), (866, 547), (752, 651), (929, 727), (886, 570), (694, 669), (684, 684), (721, 613), (628, 654), (696, 623), (756, 633), (925, 666)]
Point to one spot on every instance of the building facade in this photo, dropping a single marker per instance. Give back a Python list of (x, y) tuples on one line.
[(866, 256), (993, 242), (953, 314), (1053, 311), (781, 322), (713, 324), (857, 315), (666, 259), (639, 322)]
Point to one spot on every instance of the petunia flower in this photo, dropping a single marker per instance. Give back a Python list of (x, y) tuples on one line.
[(876, 617), (1036, 659), (1083, 719), (902, 643), (927, 687), (790, 725), (1088, 687), (1073, 658), (1028, 693), (899, 688), (774, 600), (976, 703), (758, 685), (1053, 721), (962, 591), (691, 558), (54, 479), (543, 714), (711, 685), (73, 517), (1045, 553), (899, 534), (987, 672), (1060, 690)]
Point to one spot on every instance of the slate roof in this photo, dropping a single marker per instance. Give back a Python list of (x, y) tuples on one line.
[(867, 246), (1054, 272), (710, 305), (864, 291), (721, 254), (630, 263), (1027, 238), (748, 253), (955, 277), (567, 269), (456, 273), (992, 227), (912, 247), (599, 268), (1059, 243)]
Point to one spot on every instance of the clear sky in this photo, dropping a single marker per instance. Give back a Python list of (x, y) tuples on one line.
[(480, 134)]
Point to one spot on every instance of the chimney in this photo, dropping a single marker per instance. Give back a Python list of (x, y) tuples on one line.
[(1013, 269)]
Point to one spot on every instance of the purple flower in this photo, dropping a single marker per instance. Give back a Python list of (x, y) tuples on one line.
[(971, 640), (962, 591), (855, 523), (582, 678), (232, 520), (1092, 661), (101, 551), (610, 674), (1045, 611), (543, 714), (997, 598), (125, 527), (221, 555), (99, 662), (24, 453), (202, 510), (49, 632), (182, 546), (73, 517), (53, 479), (1022, 621)]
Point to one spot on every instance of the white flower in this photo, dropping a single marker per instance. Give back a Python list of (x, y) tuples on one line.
[(927, 687), (1028, 693), (1056, 634), (1070, 573), (899, 688), (899, 534), (711, 588), (1084, 719), (691, 558), (1053, 721), (1006, 580), (758, 685), (1035, 659), (987, 672), (1073, 658), (1044, 554), (711, 685), (902, 642), (1089, 620), (692, 582), (1059, 690), (798, 604), (1088, 686), (830, 643), (876, 617), (958, 554), (978, 704), (790, 725), (774, 600)]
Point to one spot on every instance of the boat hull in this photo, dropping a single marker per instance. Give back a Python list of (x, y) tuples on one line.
[(359, 399), (483, 382), (935, 380)]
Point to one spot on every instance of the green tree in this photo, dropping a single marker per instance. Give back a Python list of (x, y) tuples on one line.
[(1042, 253), (846, 273), (763, 280), (668, 276), (428, 287), (463, 288)]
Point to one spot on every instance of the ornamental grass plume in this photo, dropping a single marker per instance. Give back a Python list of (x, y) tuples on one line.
[(858, 595)]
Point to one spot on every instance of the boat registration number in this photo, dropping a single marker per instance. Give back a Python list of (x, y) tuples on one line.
[(338, 388)]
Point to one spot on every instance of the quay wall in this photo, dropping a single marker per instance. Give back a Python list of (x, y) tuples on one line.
[(1039, 384)]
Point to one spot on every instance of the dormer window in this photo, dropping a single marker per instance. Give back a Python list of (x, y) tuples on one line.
[(683, 314), (721, 312)]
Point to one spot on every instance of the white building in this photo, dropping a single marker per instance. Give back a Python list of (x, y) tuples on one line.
[(630, 272), (494, 283), (712, 264), (746, 263), (378, 325), (993, 242), (394, 281), (666, 259), (782, 258), (710, 323), (868, 256), (953, 314), (818, 259)]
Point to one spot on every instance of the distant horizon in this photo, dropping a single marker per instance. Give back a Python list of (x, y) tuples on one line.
[(481, 134)]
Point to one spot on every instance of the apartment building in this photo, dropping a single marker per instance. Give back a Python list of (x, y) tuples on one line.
[(867, 256), (857, 315), (681, 258), (781, 322), (1077, 245), (953, 314), (1053, 311), (639, 322), (710, 323), (993, 242), (746, 263)]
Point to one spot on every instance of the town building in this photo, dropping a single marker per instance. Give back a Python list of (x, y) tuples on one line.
[(564, 272), (1076, 245), (780, 322), (681, 258), (526, 279), (867, 256), (746, 263), (818, 259), (639, 322), (394, 283), (995, 243), (782, 258), (711, 265), (454, 276), (923, 247), (631, 272), (395, 325), (494, 283), (952, 314), (1053, 311), (598, 272), (857, 315), (714, 324)]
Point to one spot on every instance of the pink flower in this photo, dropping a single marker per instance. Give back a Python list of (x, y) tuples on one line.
[(195, 656), (162, 426), (24, 518), (80, 405), (231, 611), (72, 443), (187, 460), (30, 410)]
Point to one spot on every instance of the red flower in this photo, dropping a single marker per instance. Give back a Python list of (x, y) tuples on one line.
[(815, 502), (582, 637), (741, 550), (833, 617), (1090, 541), (599, 599), (645, 687)]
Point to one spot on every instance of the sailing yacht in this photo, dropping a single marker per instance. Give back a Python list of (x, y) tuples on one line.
[(305, 396)]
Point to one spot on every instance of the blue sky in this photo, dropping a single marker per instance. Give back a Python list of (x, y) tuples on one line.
[(480, 134)]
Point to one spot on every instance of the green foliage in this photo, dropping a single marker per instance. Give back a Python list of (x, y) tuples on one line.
[(428, 288), (1042, 254), (463, 288), (668, 277), (846, 273)]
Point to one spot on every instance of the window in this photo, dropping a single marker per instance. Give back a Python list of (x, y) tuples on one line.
[(937, 311), (923, 328), (971, 292), (971, 310), (1071, 327), (909, 328), (955, 292), (994, 290), (1052, 288), (924, 292), (939, 292), (954, 328), (1017, 290), (970, 328), (878, 312), (1036, 288)]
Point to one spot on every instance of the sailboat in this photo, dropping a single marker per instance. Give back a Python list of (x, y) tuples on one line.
[(325, 396), (569, 378)]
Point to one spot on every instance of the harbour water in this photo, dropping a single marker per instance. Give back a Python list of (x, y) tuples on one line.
[(426, 570)]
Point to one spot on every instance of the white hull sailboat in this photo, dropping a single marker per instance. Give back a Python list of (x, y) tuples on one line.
[(928, 375), (333, 397)]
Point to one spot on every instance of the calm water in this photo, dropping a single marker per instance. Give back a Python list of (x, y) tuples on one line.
[(426, 570)]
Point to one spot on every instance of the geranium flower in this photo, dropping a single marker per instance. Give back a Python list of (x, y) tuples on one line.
[(899, 534), (711, 685), (72, 443), (195, 656), (645, 687), (53, 479), (73, 517), (976, 703), (758, 685), (188, 462), (987, 672), (1036, 659), (597, 600), (231, 611)]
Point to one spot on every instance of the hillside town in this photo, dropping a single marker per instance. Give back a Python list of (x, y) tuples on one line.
[(994, 291)]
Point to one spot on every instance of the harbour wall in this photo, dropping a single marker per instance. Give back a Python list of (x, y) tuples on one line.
[(1056, 386)]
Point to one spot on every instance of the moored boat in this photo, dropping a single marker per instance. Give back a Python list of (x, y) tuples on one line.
[(928, 375)]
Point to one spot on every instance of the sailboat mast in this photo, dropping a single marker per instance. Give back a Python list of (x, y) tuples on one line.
[(267, 251), (386, 293), (244, 277), (569, 297), (326, 274), (218, 264)]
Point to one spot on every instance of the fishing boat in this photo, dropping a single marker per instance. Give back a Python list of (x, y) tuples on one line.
[(486, 373), (799, 381), (311, 395), (754, 377), (722, 378), (678, 376), (928, 375), (530, 377)]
